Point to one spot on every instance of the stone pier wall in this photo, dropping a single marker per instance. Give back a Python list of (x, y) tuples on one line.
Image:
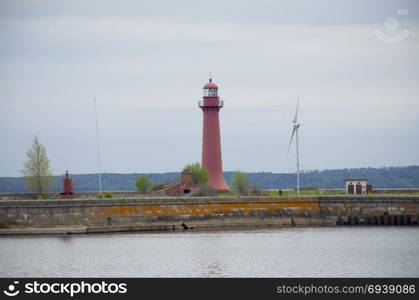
[(166, 213)]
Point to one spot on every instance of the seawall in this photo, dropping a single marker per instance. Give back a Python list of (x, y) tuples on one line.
[(138, 214)]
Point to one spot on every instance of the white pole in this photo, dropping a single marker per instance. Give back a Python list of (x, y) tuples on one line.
[(98, 152), (298, 163)]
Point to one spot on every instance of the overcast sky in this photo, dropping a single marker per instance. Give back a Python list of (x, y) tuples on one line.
[(355, 70)]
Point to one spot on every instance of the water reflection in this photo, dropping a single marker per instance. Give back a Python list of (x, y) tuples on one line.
[(213, 269), (65, 238), (291, 252)]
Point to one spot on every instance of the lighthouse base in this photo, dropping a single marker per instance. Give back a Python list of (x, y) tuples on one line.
[(219, 185)]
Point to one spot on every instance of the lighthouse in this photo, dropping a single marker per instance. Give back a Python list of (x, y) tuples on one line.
[(211, 140)]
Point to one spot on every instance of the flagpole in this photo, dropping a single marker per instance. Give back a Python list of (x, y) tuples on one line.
[(98, 152)]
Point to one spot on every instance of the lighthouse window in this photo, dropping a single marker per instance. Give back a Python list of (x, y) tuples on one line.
[(210, 92)]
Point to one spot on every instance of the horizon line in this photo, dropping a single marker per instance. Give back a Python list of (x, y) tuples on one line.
[(247, 172)]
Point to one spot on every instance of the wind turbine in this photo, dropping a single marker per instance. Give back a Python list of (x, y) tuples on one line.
[(295, 131)]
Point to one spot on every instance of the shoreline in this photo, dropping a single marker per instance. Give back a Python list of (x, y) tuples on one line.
[(216, 224), (164, 228)]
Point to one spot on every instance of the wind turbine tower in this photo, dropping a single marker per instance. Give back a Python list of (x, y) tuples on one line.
[(295, 132)]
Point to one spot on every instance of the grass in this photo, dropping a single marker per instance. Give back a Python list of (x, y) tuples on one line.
[(274, 193), (305, 192), (311, 192)]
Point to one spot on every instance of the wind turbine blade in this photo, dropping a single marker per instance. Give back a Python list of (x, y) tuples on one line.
[(296, 111), (292, 136)]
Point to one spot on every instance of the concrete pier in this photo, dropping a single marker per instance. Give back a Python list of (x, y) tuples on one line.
[(143, 214)]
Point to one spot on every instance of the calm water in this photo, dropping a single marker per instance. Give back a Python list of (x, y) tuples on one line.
[(301, 252)]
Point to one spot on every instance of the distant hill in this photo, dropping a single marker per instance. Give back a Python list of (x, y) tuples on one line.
[(388, 177)]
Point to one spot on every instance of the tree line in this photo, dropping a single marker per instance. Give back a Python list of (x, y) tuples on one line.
[(37, 177)]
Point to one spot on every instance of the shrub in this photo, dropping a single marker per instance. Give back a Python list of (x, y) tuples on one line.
[(199, 175), (206, 190), (255, 191), (143, 184), (241, 183), (105, 195)]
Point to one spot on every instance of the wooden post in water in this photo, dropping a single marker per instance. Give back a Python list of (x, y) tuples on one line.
[(381, 220), (408, 220), (386, 219)]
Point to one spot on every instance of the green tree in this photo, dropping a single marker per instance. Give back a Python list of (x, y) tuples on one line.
[(241, 183), (200, 175), (36, 173), (143, 184)]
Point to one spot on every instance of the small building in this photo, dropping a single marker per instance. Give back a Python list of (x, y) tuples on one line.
[(357, 186), (184, 187)]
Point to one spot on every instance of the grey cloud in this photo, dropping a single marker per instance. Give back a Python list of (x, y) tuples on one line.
[(146, 62)]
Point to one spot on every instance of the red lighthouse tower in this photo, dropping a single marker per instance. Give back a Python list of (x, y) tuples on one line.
[(211, 142)]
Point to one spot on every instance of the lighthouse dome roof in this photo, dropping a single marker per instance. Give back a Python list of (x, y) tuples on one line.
[(210, 85)]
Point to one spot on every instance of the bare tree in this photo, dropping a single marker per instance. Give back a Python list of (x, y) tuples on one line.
[(36, 173)]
